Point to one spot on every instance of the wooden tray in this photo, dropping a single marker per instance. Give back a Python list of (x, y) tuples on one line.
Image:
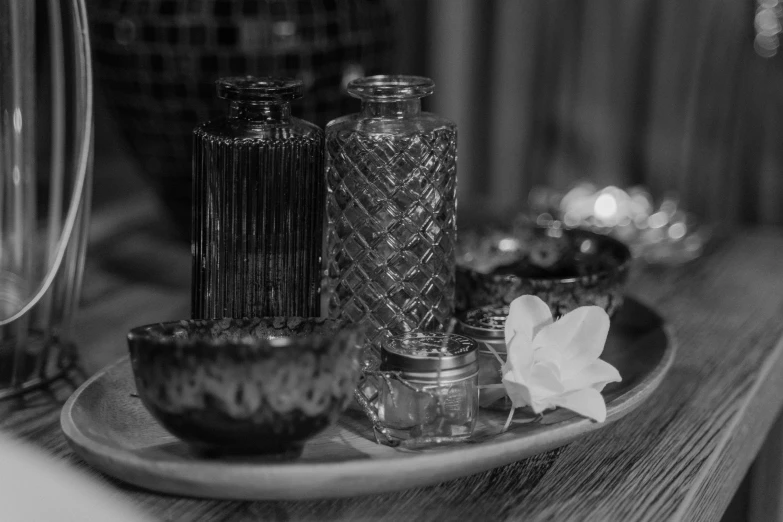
[(111, 430)]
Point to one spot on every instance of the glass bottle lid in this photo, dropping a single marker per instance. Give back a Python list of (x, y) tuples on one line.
[(421, 353), (391, 87), (487, 322), (259, 88)]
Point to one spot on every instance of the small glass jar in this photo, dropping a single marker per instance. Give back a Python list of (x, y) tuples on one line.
[(434, 392), (487, 326)]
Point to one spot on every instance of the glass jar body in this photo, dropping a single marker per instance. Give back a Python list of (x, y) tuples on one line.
[(391, 206), (448, 409), (258, 211), (490, 372)]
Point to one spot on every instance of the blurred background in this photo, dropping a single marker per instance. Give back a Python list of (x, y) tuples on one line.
[(681, 97), (678, 96)]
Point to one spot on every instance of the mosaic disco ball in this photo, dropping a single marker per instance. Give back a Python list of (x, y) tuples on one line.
[(157, 61)]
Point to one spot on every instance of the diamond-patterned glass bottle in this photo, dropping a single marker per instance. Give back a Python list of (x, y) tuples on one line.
[(392, 179), (258, 205)]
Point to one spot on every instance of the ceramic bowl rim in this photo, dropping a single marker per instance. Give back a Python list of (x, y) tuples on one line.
[(625, 261), (340, 331)]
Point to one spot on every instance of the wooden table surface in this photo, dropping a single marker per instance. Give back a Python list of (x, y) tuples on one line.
[(681, 456)]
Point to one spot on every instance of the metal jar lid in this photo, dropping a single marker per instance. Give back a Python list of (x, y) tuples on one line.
[(485, 323), (430, 357)]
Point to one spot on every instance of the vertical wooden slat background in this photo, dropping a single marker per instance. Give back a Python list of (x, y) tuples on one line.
[(666, 93)]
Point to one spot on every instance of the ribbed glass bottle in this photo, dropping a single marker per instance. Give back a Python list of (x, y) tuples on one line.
[(258, 205), (392, 180)]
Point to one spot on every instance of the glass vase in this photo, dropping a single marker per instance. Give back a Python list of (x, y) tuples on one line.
[(258, 206), (46, 150), (392, 179)]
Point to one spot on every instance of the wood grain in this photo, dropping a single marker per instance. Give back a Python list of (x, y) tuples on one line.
[(766, 499), (679, 457)]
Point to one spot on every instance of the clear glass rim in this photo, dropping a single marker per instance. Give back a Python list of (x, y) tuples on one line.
[(391, 87), (259, 88)]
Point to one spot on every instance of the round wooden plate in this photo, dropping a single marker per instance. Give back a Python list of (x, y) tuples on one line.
[(110, 429)]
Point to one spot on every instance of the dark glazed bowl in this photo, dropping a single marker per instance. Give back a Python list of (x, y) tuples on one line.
[(566, 268), (253, 386)]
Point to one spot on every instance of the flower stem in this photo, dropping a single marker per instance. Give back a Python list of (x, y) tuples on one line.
[(508, 421)]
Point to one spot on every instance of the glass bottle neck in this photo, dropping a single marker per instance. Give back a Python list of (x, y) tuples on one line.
[(260, 112), (391, 109)]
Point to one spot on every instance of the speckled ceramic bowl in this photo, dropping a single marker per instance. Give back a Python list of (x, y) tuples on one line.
[(246, 385), (567, 268)]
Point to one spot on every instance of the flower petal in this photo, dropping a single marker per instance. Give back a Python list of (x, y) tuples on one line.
[(518, 392), (579, 336), (542, 404), (587, 402), (598, 374), (527, 314), (550, 353), (544, 381), (519, 356)]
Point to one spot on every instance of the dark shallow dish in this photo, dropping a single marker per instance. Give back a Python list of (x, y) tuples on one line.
[(566, 268), (262, 385)]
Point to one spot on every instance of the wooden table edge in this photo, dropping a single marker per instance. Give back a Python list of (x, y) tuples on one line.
[(772, 364)]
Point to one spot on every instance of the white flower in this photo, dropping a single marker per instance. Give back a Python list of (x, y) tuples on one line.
[(556, 363)]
